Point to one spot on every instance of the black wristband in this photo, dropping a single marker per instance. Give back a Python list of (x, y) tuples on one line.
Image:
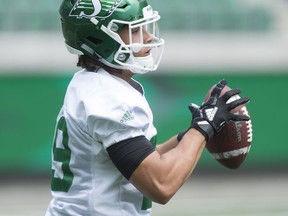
[(204, 128), (181, 134)]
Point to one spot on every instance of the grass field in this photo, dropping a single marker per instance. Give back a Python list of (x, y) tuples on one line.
[(229, 195)]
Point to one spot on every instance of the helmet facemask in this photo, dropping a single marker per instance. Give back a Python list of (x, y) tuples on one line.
[(126, 56)]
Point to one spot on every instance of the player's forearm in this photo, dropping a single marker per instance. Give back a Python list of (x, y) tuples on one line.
[(197, 142), (170, 170), (182, 160), (167, 146)]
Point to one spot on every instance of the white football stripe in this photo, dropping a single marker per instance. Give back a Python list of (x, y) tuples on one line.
[(231, 154), (249, 125)]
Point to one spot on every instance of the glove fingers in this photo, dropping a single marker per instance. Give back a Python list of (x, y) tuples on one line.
[(222, 83), (227, 95), (238, 102), (233, 117), (218, 88)]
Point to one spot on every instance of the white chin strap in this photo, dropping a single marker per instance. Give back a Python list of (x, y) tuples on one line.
[(143, 65)]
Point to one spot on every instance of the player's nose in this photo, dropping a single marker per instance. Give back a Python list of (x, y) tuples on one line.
[(147, 36)]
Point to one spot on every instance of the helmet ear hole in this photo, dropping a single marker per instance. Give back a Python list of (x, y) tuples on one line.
[(123, 7), (95, 41)]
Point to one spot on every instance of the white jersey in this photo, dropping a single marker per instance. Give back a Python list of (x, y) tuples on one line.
[(99, 110)]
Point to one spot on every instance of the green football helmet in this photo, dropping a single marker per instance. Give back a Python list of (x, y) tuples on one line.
[(91, 27)]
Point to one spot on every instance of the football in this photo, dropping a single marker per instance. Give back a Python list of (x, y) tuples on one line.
[(231, 146)]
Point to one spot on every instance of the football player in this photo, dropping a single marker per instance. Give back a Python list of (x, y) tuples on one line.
[(104, 158)]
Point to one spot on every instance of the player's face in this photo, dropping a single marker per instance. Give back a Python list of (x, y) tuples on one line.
[(136, 38)]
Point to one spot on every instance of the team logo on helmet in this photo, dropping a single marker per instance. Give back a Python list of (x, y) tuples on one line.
[(94, 8)]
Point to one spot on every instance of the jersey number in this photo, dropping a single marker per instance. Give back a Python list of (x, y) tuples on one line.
[(62, 176)]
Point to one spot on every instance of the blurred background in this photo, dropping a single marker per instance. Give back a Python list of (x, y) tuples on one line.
[(243, 41)]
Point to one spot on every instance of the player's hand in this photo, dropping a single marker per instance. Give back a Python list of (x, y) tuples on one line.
[(210, 118)]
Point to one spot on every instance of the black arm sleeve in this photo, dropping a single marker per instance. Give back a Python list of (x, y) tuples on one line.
[(128, 154)]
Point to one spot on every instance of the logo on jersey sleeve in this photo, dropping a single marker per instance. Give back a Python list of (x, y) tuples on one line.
[(128, 116), (94, 8)]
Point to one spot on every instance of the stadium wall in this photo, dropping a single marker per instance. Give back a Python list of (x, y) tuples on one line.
[(30, 103)]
